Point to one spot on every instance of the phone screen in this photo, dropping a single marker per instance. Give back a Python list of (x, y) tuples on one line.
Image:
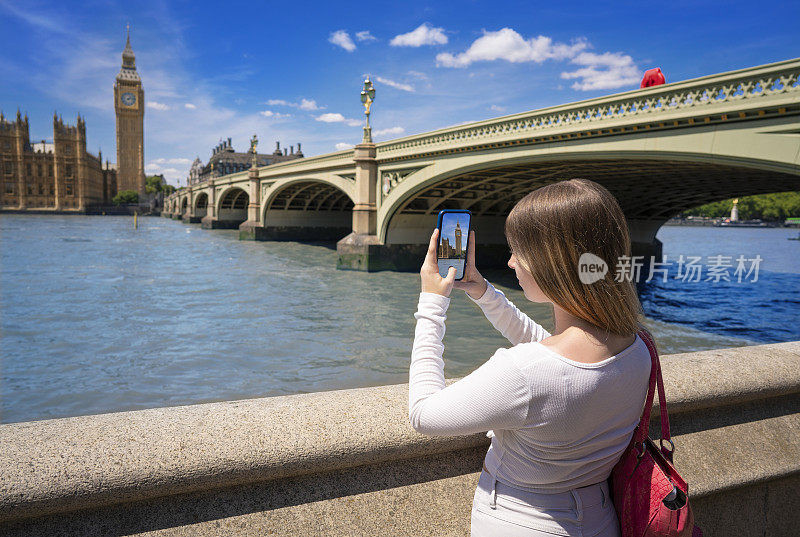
[(453, 243)]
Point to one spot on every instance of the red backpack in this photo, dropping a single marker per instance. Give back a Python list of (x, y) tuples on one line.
[(650, 498)]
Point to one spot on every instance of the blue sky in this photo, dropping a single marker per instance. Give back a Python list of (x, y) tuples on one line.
[(292, 71)]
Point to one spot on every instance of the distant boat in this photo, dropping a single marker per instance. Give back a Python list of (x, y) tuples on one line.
[(742, 223), (795, 238)]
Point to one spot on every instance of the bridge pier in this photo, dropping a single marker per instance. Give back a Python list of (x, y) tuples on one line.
[(365, 214), (216, 223), (249, 229), (207, 222), (644, 243), (647, 250), (361, 249), (187, 211)]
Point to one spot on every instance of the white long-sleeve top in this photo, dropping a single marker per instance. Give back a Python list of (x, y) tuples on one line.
[(555, 424)]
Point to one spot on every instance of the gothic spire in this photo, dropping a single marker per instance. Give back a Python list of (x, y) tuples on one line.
[(128, 70), (128, 57)]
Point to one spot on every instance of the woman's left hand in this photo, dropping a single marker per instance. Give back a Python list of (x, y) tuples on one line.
[(432, 282)]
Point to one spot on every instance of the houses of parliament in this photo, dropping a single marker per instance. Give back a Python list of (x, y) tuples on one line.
[(61, 175)]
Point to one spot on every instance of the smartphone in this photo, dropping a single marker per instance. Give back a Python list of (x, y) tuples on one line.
[(453, 227)]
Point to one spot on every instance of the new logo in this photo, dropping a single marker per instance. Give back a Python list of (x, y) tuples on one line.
[(591, 268)]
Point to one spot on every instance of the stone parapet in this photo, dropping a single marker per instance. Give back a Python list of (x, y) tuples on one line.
[(348, 461)]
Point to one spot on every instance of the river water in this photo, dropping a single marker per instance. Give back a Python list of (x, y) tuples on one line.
[(99, 317)]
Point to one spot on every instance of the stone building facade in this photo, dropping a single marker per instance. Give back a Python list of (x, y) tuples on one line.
[(225, 160), (59, 175)]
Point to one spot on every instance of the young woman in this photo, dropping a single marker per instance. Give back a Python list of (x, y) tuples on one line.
[(560, 408)]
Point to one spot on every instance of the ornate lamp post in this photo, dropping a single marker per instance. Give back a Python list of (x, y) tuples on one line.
[(367, 96)]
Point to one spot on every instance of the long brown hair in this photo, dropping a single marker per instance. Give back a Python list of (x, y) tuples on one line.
[(549, 229)]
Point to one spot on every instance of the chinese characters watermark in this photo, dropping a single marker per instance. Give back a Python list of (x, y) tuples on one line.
[(592, 268)]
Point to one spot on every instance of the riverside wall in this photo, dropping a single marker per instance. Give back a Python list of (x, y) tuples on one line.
[(347, 462)]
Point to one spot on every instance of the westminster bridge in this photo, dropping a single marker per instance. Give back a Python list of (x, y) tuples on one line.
[(659, 150)]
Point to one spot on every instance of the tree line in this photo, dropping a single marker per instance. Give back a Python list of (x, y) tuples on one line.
[(152, 185), (775, 206)]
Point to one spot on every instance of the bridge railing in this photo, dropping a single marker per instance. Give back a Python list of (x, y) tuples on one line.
[(699, 95)]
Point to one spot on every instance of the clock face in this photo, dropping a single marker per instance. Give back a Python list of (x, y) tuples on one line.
[(128, 98)]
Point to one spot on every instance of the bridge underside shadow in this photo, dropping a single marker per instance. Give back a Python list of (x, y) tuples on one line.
[(200, 210), (304, 212), (232, 211), (650, 192)]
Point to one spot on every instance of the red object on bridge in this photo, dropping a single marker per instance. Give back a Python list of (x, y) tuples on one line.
[(653, 77)]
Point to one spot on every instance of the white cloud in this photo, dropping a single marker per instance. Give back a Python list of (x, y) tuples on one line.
[(308, 104), (423, 35), (496, 108), (173, 169), (335, 117), (304, 104), (157, 106), (190, 106), (365, 36), (506, 44), (330, 117), (396, 85), (170, 161), (274, 115), (341, 146), (418, 74), (342, 39), (603, 71), (392, 131)]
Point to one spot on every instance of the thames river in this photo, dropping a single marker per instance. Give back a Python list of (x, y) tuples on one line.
[(99, 317)]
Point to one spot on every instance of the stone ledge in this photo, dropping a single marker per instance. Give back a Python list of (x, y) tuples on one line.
[(720, 377), (721, 449), (61, 465)]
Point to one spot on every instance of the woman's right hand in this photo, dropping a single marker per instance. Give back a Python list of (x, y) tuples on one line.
[(472, 283)]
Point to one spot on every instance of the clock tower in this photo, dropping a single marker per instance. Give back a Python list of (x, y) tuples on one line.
[(129, 107)]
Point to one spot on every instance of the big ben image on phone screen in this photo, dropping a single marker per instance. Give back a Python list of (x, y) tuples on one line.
[(129, 108), (453, 243)]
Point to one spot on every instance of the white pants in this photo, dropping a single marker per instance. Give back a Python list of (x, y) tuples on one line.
[(499, 510)]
